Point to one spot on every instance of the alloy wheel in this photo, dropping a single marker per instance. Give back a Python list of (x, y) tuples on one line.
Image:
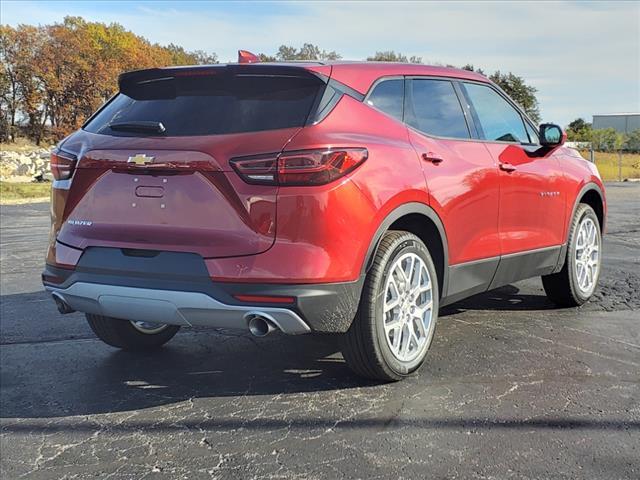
[(408, 307), (587, 255)]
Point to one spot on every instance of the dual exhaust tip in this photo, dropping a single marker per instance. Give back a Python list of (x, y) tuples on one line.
[(260, 324)]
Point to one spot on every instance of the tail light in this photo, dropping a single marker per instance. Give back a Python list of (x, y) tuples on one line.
[(62, 164), (304, 167)]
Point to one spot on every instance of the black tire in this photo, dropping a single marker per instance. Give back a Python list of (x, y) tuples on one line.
[(122, 334), (562, 288), (364, 345)]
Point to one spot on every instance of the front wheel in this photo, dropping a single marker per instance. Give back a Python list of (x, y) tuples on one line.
[(130, 334), (391, 334), (577, 280)]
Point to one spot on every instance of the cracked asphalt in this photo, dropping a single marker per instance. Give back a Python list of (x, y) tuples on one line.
[(513, 388)]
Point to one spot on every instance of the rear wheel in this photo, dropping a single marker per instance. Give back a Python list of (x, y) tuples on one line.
[(130, 334), (389, 338), (577, 280)]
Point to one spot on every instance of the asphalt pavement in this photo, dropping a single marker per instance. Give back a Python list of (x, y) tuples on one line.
[(513, 387)]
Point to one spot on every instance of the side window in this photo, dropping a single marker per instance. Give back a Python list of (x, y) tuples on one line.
[(433, 108), (533, 135), (388, 96), (498, 119)]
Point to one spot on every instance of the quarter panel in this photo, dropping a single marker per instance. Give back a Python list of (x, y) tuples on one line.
[(324, 232)]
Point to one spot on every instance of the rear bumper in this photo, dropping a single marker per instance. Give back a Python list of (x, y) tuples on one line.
[(175, 288), (171, 307)]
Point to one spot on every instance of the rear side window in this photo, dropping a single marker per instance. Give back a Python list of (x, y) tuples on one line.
[(433, 107), (388, 96), (499, 120), (212, 104)]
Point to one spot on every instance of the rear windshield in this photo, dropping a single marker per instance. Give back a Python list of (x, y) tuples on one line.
[(211, 104)]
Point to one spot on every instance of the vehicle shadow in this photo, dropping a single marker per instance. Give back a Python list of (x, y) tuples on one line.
[(75, 374), (507, 298), (85, 377)]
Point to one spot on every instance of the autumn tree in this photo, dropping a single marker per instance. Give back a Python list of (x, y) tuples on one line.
[(9, 86), (55, 76), (20, 93)]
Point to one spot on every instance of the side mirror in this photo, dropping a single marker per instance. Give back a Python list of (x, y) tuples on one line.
[(551, 135)]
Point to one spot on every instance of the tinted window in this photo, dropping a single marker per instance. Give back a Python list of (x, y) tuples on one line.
[(388, 96), (434, 109), (498, 119), (212, 104)]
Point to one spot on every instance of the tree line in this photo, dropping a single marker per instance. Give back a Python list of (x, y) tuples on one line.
[(54, 76), (604, 139)]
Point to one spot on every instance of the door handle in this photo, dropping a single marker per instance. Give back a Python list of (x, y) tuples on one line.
[(507, 167), (432, 157)]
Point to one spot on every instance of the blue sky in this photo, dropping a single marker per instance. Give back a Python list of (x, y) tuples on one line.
[(584, 57)]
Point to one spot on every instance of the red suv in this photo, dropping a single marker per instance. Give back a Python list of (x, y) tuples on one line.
[(350, 198)]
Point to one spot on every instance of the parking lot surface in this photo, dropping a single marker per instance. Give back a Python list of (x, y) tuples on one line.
[(513, 387)]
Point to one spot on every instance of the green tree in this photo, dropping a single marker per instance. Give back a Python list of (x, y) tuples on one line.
[(308, 51), (604, 140), (523, 94), (514, 86), (179, 56), (267, 58), (633, 141), (578, 124), (392, 56), (204, 58), (579, 131), (471, 68)]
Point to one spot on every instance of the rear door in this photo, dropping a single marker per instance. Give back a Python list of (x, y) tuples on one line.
[(462, 179), (531, 198), (461, 175), (172, 188)]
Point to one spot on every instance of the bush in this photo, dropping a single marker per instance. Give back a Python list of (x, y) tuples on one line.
[(633, 142)]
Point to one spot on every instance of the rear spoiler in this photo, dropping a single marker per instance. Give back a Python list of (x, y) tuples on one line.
[(129, 80)]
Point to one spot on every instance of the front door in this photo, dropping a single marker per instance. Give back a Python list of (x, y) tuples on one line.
[(532, 204)]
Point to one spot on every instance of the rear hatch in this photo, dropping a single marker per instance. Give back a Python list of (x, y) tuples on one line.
[(153, 167)]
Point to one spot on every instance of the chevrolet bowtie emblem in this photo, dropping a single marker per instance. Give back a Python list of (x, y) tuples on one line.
[(140, 159)]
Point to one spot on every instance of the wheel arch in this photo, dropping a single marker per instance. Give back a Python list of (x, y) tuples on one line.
[(592, 195), (424, 222)]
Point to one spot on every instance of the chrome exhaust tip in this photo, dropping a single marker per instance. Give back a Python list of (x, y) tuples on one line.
[(63, 306), (259, 324)]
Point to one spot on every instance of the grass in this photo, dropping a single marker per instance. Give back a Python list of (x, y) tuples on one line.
[(21, 145), (23, 192), (608, 164)]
